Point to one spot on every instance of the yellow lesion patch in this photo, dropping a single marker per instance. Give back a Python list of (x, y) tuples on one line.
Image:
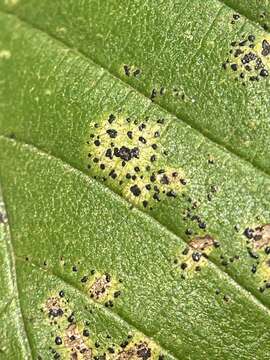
[(128, 155), (249, 58), (194, 256), (103, 288), (5, 54), (258, 246), (76, 343), (138, 348), (54, 307), (71, 339), (11, 2)]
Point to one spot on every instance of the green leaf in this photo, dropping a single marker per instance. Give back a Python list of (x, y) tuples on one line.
[(135, 175)]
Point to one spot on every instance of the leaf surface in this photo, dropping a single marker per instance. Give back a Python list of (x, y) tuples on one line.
[(184, 264)]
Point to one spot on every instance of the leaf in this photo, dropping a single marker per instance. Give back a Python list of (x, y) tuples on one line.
[(109, 265)]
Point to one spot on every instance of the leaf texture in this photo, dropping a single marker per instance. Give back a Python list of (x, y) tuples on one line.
[(184, 264)]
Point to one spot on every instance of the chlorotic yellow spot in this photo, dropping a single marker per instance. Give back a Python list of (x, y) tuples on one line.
[(103, 288), (5, 54), (11, 2), (249, 58), (137, 347), (70, 336), (194, 256), (128, 155)]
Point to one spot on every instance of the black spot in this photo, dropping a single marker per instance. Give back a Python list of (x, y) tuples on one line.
[(129, 134), (111, 119), (135, 190), (196, 256), (86, 333), (142, 139), (266, 48), (267, 250), (112, 133), (251, 38), (58, 340), (264, 73), (127, 70), (248, 233), (109, 153)]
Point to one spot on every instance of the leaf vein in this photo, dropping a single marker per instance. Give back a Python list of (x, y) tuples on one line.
[(20, 321)]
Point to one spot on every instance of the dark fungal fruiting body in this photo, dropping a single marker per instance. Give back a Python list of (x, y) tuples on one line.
[(127, 154), (248, 59)]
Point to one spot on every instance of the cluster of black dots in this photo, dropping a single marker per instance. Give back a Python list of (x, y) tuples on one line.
[(127, 154), (235, 18), (198, 249), (74, 339), (258, 248), (100, 287), (131, 71), (66, 333), (248, 59)]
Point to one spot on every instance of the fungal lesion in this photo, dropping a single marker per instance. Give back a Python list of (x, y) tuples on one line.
[(249, 58), (127, 154), (75, 341), (131, 71), (54, 308), (73, 337), (103, 288), (258, 249), (194, 256), (137, 347), (70, 337)]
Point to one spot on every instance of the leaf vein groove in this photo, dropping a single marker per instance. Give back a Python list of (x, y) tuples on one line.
[(20, 321)]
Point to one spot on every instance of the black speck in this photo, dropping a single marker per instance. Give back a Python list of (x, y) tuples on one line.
[(196, 256), (135, 190), (58, 340), (112, 133)]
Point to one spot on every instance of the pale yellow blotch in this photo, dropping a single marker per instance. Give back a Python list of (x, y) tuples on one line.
[(263, 269), (78, 346), (11, 2), (48, 92), (74, 344), (138, 346), (5, 54), (101, 287), (148, 170), (194, 257), (61, 29), (252, 64)]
